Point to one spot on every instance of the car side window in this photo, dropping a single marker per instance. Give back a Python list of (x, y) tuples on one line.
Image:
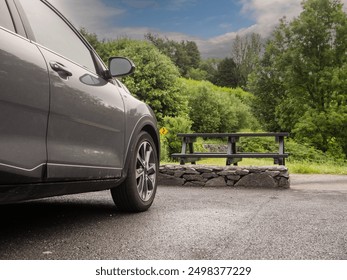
[(51, 31), (5, 17)]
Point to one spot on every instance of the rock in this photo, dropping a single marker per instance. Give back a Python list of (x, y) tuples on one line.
[(217, 176), (216, 182), (230, 183), (234, 177), (194, 184), (278, 167), (209, 175), (173, 167), (285, 174), (283, 183), (257, 180), (194, 178), (191, 171), (273, 173), (256, 169), (167, 180), (167, 171), (217, 168), (204, 169), (242, 172), (179, 173), (162, 168), (227, 173)]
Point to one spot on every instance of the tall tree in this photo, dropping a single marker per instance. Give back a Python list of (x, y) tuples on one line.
[(304, 73), (226, 74), (245, 52), (184, 54), (217, 109), (155, 80)]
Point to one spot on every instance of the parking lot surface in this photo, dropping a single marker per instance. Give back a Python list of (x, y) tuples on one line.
[(308, 221)]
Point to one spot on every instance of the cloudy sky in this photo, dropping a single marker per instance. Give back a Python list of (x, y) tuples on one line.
[(212, 24)]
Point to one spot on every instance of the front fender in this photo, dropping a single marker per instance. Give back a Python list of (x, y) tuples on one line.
[(146, 123)]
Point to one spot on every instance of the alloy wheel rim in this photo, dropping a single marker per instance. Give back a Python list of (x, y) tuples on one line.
[(146, 171)]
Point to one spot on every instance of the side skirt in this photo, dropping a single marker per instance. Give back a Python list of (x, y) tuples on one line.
[(16, 193)]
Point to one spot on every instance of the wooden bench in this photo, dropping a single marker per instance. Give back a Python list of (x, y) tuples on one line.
[(232, 156)]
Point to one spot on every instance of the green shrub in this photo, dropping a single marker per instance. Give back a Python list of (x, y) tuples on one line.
[(298, 152), (204, 111), (170, 143), (257, 144), (217, 109)]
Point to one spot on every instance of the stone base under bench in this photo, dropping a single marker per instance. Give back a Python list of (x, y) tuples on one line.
[(219, 176)]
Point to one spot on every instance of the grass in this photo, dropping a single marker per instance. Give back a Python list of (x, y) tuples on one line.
[(294, 167), (317, 168)]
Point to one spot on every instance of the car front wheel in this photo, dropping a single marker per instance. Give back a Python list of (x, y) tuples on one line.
[(137, 192)]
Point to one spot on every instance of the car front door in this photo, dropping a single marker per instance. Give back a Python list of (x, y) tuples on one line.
[(85, 138), (24, 105)]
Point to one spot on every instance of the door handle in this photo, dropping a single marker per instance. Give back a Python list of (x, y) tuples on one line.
[(58, 67)]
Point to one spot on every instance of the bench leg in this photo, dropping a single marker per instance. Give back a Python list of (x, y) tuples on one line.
[(281, 161), (232, 150), (233, 161), (183, 150), (230, 161), (191, 151)]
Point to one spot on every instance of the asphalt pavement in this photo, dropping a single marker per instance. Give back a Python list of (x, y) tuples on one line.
[(308, 221)]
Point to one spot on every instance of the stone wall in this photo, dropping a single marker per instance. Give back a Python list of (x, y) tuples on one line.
[(219, 176)]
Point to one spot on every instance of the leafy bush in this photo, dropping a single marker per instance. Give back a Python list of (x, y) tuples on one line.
[(170, 143), (204, 111), (298, 152), (156, 79), (301, 81), (303, 152), (257, 144), (217, 109)]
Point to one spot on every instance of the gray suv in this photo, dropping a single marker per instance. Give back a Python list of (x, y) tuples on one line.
[(67, 125)]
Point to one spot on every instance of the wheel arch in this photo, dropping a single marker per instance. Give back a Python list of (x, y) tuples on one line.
[(154, 134), (145, 124)]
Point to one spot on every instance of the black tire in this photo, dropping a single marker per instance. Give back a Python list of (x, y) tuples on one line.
[(137, 192)]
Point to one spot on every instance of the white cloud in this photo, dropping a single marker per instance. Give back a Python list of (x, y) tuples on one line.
[(266, 15), (95, 15), (91, 14)]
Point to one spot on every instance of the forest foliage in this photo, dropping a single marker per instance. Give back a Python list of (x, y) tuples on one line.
[(300, 84), (296, 81)]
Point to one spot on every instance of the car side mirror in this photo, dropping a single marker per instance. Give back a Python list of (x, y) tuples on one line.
[(120, 66)]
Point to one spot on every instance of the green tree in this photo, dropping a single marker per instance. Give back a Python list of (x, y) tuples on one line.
[(204, 111), (171, 143), (210, 67), (155, 80), (226, 74), (92, 38), (185, 54), (217, 109), (245, 53), (193, 53), (303, 72), (266, 82)]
